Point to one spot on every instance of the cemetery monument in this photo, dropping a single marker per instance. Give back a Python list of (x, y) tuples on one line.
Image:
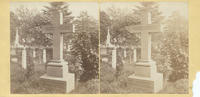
[(146, 77)]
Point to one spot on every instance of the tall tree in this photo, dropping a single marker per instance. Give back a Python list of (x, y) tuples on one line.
[(58, 6), (85, 46), (152, 7), (175, 46), (119, 18), (28, 22)]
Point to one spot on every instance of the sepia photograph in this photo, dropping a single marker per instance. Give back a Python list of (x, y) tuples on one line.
[(92, 48), (54, 48), (144, 48)]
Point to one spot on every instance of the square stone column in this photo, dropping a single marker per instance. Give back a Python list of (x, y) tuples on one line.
[(134, 55), (145, 46), (44, 55), (114, 58), (24, 55)]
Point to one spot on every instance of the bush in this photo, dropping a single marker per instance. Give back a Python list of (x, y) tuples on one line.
[(182, 85), (113, 81), (89, 87)]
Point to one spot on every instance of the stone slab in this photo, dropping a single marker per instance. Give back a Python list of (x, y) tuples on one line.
[(145, 68), (54, 86), (62, 84), (56, 68), (145, 84), (54, 71)]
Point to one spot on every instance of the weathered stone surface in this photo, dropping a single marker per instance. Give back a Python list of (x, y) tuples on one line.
[(59, 84), (57, 69), (54, 71), (145, 69), (106, 54), (57, 73), (53, 85), (114, 58), (24, 63), (145, 84), (146, 77)]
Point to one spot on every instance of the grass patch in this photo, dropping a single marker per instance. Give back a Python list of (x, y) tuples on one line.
[(116, 82), (29, 82)]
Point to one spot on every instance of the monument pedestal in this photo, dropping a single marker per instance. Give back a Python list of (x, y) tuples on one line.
[(106, 54), (57, 69), (146, 78), (57, 75)]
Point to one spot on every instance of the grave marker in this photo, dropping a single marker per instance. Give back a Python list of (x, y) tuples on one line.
[(24, 63), (146, 77), (57, 69), (134, 55), (114, 58), (34, 53), (44, 55)]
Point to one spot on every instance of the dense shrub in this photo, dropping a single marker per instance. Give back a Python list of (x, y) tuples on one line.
[(89, 87), (182, 85)]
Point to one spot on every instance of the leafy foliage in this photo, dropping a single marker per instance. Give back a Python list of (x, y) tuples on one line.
[(175, 46), (151, 7), (54, 8), (85, 46), (116, 19), (89, 87), (29, 25)]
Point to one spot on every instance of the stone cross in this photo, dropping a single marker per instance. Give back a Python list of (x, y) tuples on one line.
[(145, 71), (58, 29), (146, 28)]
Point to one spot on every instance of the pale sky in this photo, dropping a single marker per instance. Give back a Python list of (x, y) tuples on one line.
[(75, 7), (165, 7), (93, 8)]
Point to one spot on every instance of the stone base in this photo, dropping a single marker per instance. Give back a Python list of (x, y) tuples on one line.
[(63, 85), (56, 68), (106, 54), (145, 68), (145, 84), (146, 79), (57, 74)]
